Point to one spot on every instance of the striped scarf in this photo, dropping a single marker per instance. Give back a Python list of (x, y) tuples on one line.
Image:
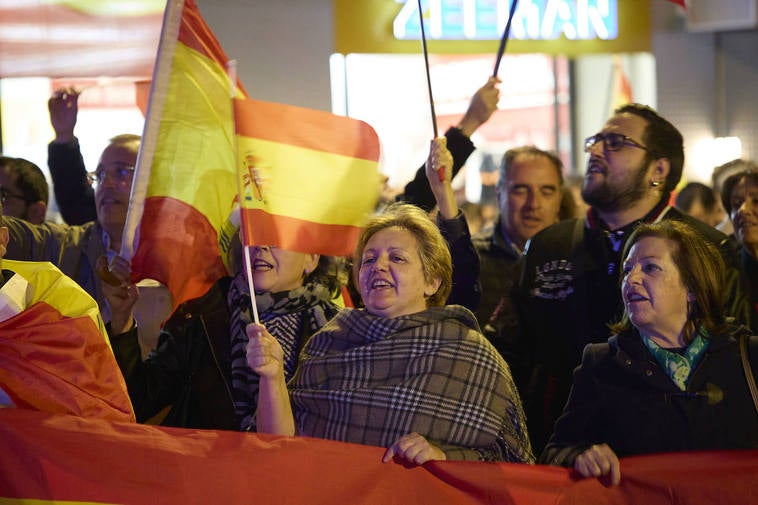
[(370, 380), (289, 316)]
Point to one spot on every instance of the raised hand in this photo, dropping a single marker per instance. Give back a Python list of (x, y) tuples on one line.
[(63, 108), (481, 106)]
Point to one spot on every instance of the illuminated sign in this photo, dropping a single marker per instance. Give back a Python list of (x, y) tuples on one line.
[(486, 19)]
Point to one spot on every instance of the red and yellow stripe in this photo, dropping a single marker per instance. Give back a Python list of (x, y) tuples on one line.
[(310, 178)]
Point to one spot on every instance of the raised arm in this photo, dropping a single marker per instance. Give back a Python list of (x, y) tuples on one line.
[(73, 193), (481, 107), (266, 358), (454, 228)]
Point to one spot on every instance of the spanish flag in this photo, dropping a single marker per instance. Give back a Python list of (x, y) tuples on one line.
[(308, 179), (185, 182)]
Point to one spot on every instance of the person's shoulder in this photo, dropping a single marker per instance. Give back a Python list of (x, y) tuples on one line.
[(558, 239), (34, 269), (706, 231), (562, 230)]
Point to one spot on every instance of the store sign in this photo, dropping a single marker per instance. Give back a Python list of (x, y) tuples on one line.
[(485, 19)]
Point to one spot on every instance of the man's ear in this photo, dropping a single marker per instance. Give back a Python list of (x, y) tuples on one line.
[(36, 212), (661, 170)]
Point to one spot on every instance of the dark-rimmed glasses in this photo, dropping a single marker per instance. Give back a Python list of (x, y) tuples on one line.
[(119, 173), (5, 194), (612, 142)]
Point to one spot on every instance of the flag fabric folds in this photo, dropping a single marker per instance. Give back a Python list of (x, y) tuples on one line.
[(187, 164), (309, 179), (55, 355), (51, 459)]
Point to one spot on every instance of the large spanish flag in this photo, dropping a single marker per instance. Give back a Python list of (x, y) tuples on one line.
[(55, 355), (53, 459), (308, 179), (185, 182)]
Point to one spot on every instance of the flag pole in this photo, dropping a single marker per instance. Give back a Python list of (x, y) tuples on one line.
[(426, 62), (440, 170), (172, 20), (504, 39), (231, 70)]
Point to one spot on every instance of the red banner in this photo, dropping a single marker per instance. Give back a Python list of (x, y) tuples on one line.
[(53, 458)]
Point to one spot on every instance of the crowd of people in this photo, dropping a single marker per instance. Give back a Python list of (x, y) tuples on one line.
[(564, 340)]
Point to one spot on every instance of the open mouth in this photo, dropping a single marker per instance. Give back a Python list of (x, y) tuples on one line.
[(260, 265), (381, 284)]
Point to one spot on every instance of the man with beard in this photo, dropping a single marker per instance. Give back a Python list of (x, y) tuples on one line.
[(569, 291), (76, 249)]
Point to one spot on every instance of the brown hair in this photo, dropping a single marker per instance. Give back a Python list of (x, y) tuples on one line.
[(433, 251), (751, 177), (702, 271), (662, 139)]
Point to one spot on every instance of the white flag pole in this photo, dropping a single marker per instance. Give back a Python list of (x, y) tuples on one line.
[(231, 70), (172, 18)]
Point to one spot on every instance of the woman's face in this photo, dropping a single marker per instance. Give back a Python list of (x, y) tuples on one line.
[(391, 276), (744, 216), (654, 295), (277, 269)]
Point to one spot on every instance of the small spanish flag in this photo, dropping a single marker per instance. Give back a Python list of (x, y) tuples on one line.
[(309, 179)]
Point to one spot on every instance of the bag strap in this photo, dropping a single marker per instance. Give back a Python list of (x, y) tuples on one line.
[(748, 371)]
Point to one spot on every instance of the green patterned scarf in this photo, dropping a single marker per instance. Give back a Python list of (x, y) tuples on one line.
[(679, 367)]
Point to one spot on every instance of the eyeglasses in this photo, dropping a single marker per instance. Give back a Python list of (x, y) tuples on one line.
[(612, 142), (120, 173), (5, 194)]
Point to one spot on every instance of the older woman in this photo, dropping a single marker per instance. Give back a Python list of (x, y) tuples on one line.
[(200, 367), (406, 372), (739, 194), (671, 378)]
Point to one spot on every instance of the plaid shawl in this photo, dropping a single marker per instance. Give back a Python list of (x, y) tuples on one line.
[(370, 380)]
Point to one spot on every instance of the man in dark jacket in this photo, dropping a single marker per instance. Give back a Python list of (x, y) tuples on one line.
[(529, 197), (569, 291)]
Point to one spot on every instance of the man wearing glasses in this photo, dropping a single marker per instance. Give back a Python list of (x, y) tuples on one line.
[(76, 249), (569, 290), (23, 189)]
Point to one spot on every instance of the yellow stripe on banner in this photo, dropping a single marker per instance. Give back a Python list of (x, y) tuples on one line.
[(195, 162), (115, 8), (306, 184), (27, 501)]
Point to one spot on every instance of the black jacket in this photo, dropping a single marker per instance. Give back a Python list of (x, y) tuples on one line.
[(622, 397), (191, 368), (568, 294), (73, 193), (500, 266)]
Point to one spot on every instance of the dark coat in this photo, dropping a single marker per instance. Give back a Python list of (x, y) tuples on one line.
[(191, 369), (622, 397), (569, 293)]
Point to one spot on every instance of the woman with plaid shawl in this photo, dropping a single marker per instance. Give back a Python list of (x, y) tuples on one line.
[(406, 372)]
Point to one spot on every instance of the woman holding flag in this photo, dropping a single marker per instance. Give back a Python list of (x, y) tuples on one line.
[(199, 367)]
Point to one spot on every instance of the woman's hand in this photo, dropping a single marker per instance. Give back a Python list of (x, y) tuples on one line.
[(413, 448), (599, 461), (439, 170), (119, 291), (264, 353)]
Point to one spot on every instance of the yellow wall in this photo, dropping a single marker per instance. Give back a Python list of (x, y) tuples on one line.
[(365, 26)]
